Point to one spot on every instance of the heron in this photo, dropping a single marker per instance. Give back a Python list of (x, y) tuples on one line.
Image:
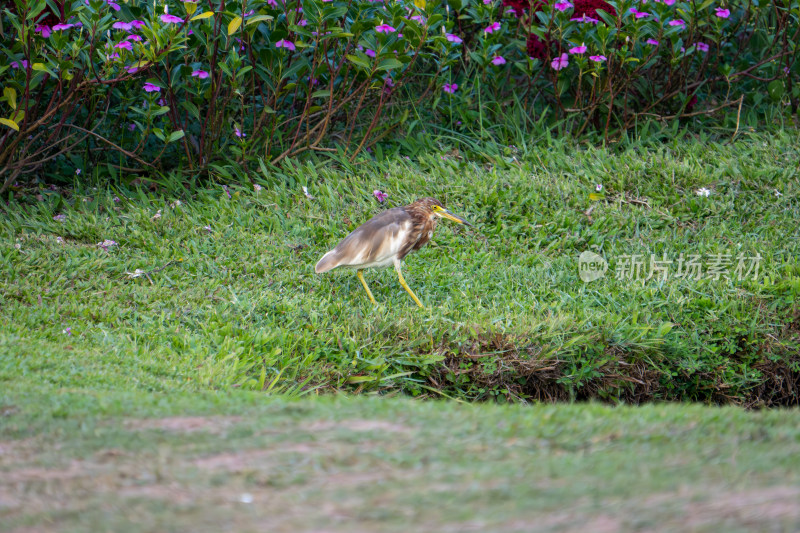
[(386, 239)]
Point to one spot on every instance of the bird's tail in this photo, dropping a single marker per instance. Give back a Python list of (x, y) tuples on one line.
[(329, 261)]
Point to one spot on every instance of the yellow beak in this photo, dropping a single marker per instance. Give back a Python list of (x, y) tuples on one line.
[(455, 218)]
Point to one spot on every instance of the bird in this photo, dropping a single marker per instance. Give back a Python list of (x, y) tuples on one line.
[(386, 239)]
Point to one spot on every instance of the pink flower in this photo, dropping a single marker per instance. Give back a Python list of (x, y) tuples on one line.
[(418, 18), (450, 88), (652, 42), (62, 27), (498, 60), (240, 134), (124, 44), (23, 63), (133, 37), (723, 13), (560, 62), (385, 28), (639, 14), (151, 88), (202, 74), (703, 47), (585, 19), (137, 24), (44, 30), (380, 195), (677, 22), (127, 26), (562, 6), (598, 59), (454, 38), (302, 22), (171, 19), (370, 53), (578, 49), (283, 43), (60, 218), (131, 127), (491, 28), (667, 2), (113, 5)]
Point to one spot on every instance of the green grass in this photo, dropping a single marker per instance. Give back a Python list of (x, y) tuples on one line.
[(127, 461), (231, 299)]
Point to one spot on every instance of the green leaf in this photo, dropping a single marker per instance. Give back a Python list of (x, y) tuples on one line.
[(357, 61), (775, 89), (259, 18), (322, 93), (174, 136), (10, 123), (389, 64), (234, 25), (11, 96)]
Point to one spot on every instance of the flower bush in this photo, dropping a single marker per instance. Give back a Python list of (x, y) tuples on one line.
[(143, 87)]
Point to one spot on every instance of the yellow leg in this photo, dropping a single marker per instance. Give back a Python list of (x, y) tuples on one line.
[(364, 283), (406, 287)]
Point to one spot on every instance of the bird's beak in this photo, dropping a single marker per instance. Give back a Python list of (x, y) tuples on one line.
[(455, 218)]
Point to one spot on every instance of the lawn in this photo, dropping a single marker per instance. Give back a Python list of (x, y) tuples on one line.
[(195, 374), (214, 287)]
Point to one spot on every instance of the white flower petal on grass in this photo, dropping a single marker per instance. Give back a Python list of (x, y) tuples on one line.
[(156, 216), (308, 195), (778, 193), (702, 191), (135, 274), (246, 498)]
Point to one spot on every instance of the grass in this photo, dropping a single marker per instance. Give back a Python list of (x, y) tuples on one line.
[(230, 298), (126, 461)]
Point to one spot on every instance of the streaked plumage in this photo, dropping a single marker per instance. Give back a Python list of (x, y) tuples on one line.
[(386, 239)]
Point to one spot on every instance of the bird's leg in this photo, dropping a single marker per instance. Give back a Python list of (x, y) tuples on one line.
[(360, 275), (405, 285)]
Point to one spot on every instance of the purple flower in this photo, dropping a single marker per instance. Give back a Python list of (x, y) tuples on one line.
[(498, 60), (723, 13), (639, 14), (450, 87), (703, 47), (598, 187), (388, 81), (562, 6), (133, 37), (137, 24), (487, 2), (62, 27), (454, 38), (23, 63), (667, 2), (77, 172), (560, 62), (171, 19), (67, 331), (578, 49), (283, 43), (238, 133), (106, 244), (652, 42), (124, 44), (151, 88), (677, 22), (585, 19), (113, 5), (380, 195), (491, 28), (60, 218), (598, 59), (418, 18), (127, 26), (302, 22), (44, 30), (227, 191), (370, 53), (131, 127), (385, 28), (202, 74)]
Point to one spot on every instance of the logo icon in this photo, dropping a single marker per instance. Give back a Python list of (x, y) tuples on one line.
[(591, 266)]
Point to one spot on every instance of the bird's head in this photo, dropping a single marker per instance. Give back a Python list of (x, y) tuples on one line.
[(438, 210)]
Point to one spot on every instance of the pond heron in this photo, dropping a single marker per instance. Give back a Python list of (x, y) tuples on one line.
[(386, 239)]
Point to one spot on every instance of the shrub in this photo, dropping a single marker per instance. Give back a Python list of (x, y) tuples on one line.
[(147, 87)]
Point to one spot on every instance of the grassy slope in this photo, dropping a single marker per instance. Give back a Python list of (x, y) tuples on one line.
[(116, 461), (232, 298)]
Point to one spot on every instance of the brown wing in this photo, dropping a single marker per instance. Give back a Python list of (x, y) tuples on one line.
[(374, 241)]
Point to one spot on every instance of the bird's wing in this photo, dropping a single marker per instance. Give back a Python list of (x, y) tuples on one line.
[(376, 241)]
